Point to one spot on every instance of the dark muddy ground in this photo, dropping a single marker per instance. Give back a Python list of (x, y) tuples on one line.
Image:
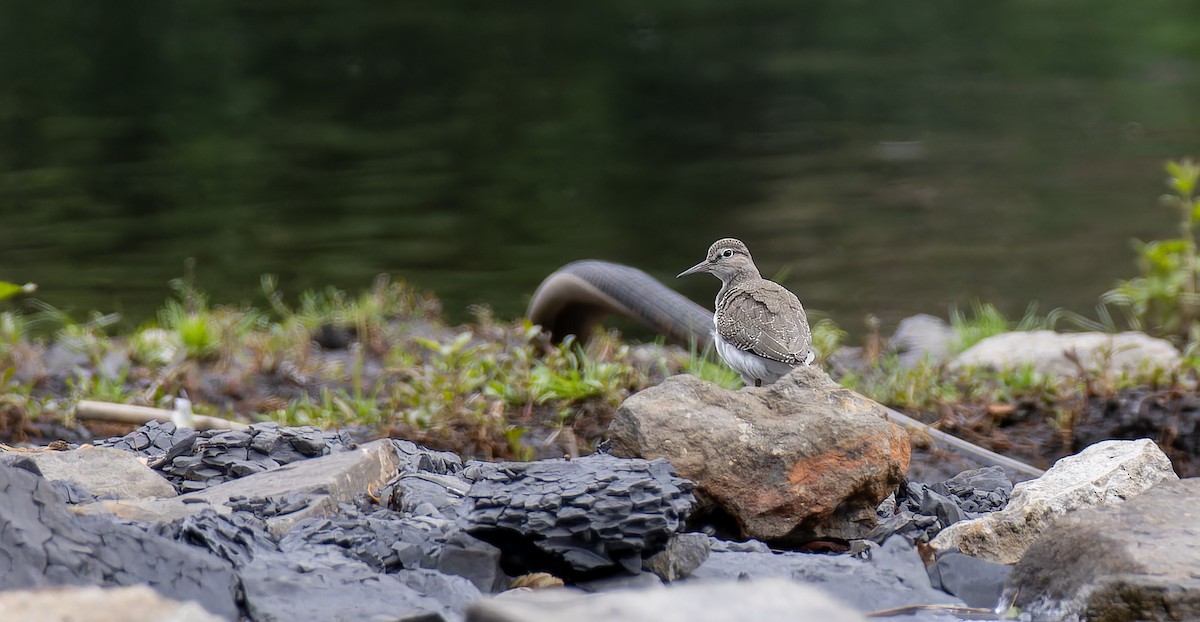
[(1023, 431), (1029, 433)]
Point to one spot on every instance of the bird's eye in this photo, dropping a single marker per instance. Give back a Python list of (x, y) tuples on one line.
[(728, 253)]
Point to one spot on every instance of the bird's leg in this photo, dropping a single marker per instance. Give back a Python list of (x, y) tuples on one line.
[(758, 382)]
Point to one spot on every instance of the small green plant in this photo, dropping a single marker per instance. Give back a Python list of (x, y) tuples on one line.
[(703, 364), (332, 408), (155, 346), (567, 374), (12, 330), (203, 331), (827, 337), (109, 388), (1163, 300), (89, 337), (984, 321), (918, 388), (8, 290)]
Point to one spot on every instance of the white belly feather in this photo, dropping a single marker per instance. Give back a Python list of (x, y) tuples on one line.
[(750, 365)]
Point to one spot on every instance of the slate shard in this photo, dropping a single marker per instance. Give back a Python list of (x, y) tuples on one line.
[(193, 460), (579, 519), (924, 510), (44, 544)]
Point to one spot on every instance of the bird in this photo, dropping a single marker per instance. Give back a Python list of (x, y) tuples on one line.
[(760, 327)]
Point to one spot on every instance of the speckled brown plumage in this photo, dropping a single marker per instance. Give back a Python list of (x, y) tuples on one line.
[(763, 317), (761, 328)]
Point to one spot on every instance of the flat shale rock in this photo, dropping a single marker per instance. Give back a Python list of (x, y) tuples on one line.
[(330, 587), (1135, 561), (764, 600), (284, 495), (389, 542), (148, 510), (152, 440), (798, 460), (43, 544), (194, 460), (94, 604), (978, 582), (98, 472), (893, 576), (924, 510), (682, 556), (1103, 474), (576, 518), (327, 574)]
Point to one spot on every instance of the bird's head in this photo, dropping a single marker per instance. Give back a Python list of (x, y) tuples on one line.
[(727, 258)]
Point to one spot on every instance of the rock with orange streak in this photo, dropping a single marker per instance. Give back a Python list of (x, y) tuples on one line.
[(799, 460)]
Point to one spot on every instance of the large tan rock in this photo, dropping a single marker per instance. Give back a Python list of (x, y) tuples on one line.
[(762, 600), (1133, 561), (323, 483), (1106, 473), (101, 471), (800, 459), (1051, 353), (94, 604)]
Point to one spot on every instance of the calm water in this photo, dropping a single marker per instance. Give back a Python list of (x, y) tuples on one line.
[(888, 158)]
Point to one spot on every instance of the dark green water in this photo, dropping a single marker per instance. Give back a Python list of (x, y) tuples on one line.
[(888, 158)]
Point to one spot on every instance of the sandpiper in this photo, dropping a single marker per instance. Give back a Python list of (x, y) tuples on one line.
[(761, 329)]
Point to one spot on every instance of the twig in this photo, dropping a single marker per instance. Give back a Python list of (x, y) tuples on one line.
[(957, 609), (89, 410), (963, 446)]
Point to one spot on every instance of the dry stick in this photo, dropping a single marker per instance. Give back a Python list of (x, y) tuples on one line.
[(963, 446), (88, 410), (992, 615)]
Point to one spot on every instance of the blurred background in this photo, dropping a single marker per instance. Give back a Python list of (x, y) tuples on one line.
[(885, 158)]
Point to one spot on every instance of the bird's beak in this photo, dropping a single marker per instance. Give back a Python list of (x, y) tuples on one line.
[(700, 267)]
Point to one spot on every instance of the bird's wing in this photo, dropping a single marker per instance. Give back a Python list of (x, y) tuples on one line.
[(768, 321)]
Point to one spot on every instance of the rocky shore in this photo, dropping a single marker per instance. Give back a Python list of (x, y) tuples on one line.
[(788, 502)]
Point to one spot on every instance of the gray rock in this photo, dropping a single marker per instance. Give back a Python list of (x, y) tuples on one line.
[(766, 600), (682, 556), (100, 472), (978, 582), (893, 576), (727, 546), (219, 456), (309, 488), (43, 544), (327, 570), (1051, 353), (149, 510), (95, 604), (414, 458), (328, 481), (421, 492), (331, 587), (236, 538), (800, 459), (924, 510), (194, 461), (469, 557), (1133, 561), (576, 518), (621, 581), (152, 440), (1105, 473), (922, 338), (418, 529)]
